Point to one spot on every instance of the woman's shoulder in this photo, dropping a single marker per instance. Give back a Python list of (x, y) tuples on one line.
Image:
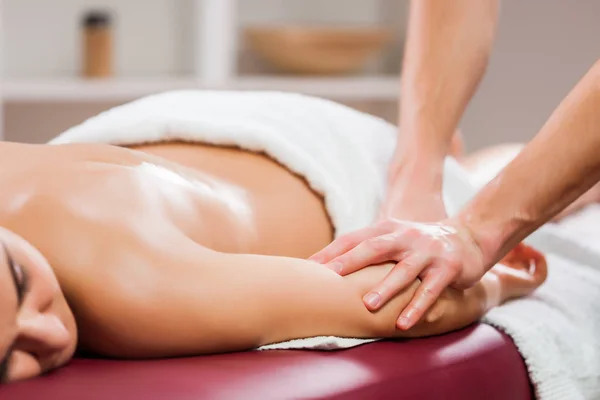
[(131, 287)]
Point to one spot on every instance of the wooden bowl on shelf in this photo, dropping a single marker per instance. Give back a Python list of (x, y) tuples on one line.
[(317, 50)]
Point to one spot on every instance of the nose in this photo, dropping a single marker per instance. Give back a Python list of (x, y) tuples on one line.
[(42, 334)]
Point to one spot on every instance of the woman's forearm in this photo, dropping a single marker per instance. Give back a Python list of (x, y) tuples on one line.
[(447, 50), (554, 169)]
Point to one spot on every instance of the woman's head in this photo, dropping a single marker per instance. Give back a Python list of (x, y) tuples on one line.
[(37, 329)]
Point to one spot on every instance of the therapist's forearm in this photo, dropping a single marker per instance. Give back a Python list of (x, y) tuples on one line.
[(447, 50), (555, 168)]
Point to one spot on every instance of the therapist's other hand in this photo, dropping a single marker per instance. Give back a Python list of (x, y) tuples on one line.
[(406, 201), (441, 254), (414, 190)]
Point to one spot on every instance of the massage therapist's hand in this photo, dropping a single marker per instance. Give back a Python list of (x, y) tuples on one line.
[(441, 254)]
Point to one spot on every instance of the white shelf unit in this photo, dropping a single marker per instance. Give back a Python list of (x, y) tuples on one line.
[(215, 59), (82, 90)]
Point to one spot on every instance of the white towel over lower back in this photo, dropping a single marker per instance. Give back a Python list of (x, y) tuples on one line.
[(343, 154)]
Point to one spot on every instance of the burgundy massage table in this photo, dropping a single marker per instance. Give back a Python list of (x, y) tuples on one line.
[(476, 363)]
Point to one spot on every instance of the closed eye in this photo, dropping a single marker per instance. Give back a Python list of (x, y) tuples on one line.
[(19, 275)]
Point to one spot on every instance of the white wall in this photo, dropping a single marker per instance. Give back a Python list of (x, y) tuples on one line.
[(543, 48)]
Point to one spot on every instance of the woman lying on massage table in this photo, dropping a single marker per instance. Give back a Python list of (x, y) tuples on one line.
[(182, 249)]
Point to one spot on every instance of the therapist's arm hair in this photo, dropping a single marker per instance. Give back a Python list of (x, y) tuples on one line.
[(555, 168), (446, 53), (207, 302)]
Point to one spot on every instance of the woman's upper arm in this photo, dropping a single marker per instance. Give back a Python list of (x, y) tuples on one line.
[(193, 300), (197, 301), (291, 298)]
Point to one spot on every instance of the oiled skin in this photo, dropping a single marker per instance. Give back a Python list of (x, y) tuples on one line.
[(155, 256)]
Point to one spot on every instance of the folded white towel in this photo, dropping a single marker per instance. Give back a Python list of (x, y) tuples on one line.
[(343, 154)]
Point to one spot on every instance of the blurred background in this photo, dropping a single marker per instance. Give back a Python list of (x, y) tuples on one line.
[(65, 60)]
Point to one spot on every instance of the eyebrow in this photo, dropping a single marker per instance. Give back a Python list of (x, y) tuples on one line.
[(7, 355)]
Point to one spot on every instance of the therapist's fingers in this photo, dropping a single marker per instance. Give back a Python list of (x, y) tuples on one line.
[(371, 251), (401, 276), (425, 296), (347, 242)]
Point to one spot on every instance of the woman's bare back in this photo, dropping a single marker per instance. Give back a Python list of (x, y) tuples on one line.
[(289, 218), (225, 199)]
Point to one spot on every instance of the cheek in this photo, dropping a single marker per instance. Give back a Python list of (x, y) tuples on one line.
[(23, 366)]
